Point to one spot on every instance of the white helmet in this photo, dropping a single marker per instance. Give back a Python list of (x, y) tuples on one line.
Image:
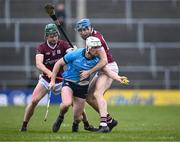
[(92, 42)]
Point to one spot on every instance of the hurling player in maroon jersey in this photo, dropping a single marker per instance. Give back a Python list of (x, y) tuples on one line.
[(101, 82), (47, 53)]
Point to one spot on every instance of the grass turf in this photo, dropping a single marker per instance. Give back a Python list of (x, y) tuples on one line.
[(137, 123)]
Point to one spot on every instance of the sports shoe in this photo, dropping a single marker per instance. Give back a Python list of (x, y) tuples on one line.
[(90, 128), (112, 124), (103, 129), (75, 127), (23, 129), (57, 124)]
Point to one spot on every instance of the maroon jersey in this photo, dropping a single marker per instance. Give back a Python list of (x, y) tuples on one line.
[(104, 44), (51, 56)]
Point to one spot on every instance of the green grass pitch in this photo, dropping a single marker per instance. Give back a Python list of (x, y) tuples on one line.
[(137, 123)]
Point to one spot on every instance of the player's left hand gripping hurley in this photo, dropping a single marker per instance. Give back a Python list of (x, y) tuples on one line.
[(49, 8)]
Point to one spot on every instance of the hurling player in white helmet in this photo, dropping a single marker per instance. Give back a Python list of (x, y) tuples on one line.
[(73, 92), (101, 81)]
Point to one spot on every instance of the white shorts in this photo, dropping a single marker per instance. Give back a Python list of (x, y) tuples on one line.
[(58, 86), (113, 66)]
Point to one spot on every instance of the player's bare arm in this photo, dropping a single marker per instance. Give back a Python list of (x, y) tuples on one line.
[(113, 75), (41, 66), (56, 68), (103, 61)]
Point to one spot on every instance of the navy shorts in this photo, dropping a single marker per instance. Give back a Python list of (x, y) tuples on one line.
[(78, 91)]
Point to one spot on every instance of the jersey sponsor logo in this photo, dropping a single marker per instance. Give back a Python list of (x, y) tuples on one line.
[(58, 51), (48, 61), (48, 53), (78, 60)]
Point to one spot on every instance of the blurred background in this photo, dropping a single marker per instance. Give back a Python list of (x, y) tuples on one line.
[(143, 35)]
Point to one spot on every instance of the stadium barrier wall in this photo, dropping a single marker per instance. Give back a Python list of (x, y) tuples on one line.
[(113, 97), (23, 97), (143, 97)]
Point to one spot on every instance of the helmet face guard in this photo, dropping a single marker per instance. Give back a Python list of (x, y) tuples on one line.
[(82, 24), (51, 29), (92, 42)]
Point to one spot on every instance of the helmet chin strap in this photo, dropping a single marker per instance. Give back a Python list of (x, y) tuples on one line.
[(90, 55)]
